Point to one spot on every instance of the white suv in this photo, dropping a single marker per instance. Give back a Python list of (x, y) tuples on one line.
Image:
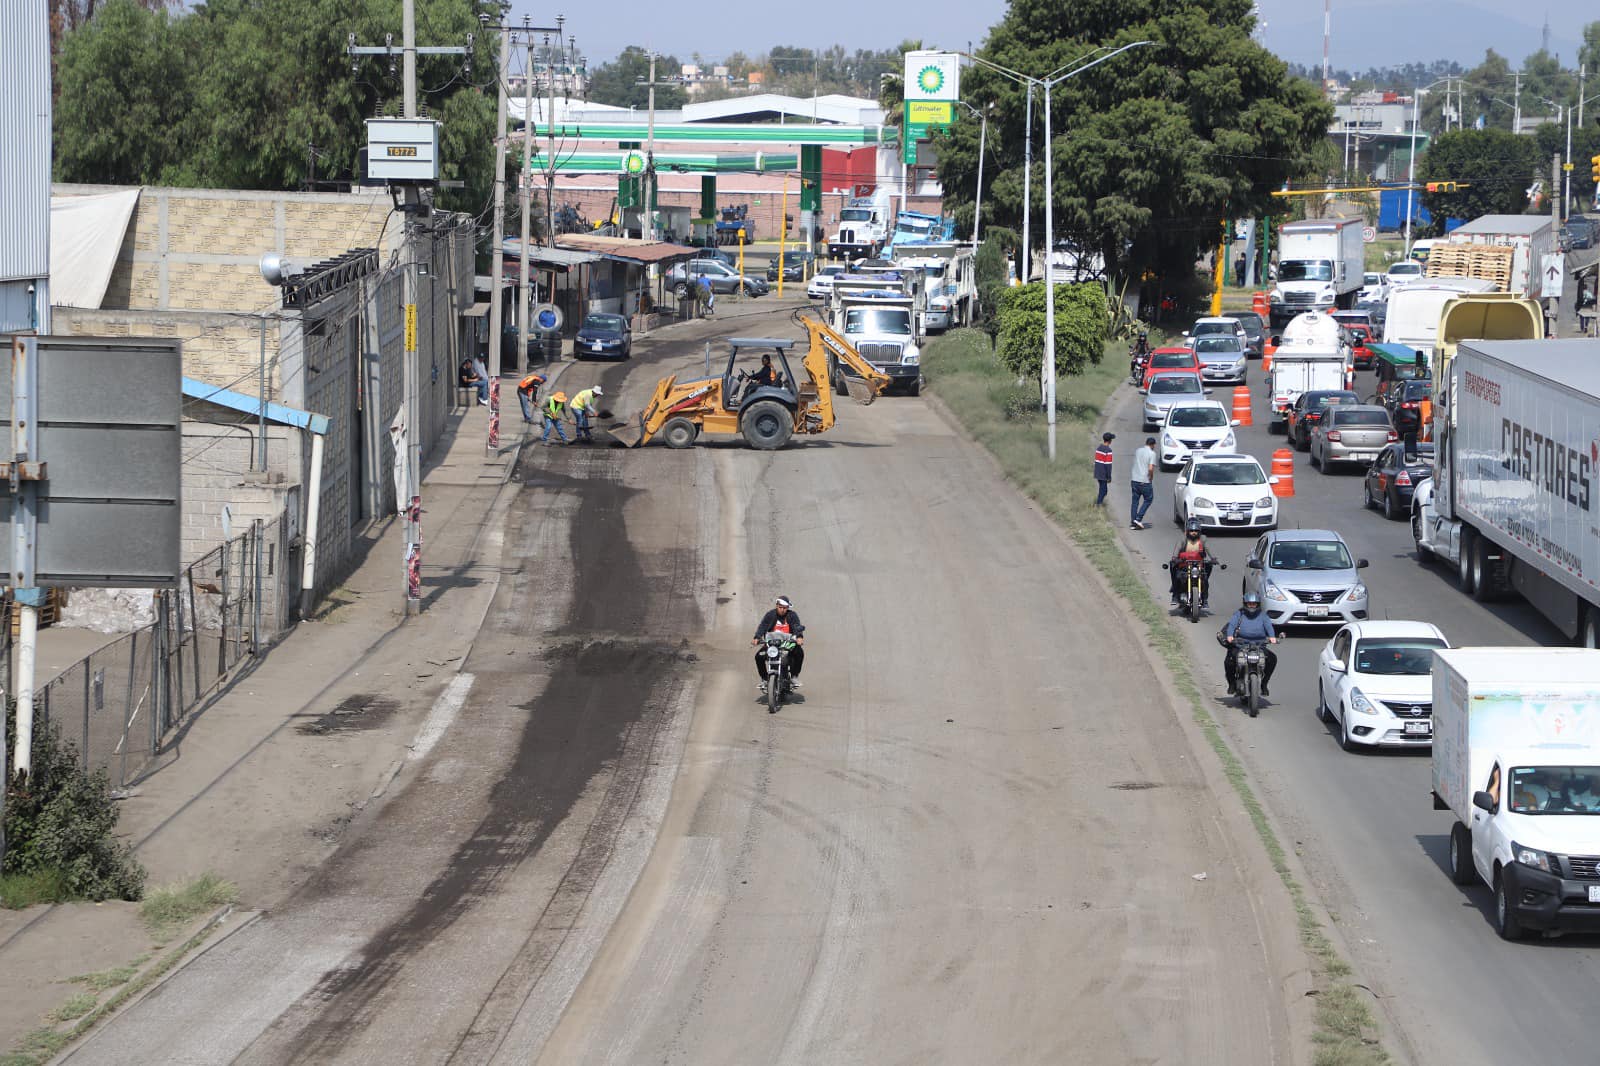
[(1201, 426), (1224, 491)]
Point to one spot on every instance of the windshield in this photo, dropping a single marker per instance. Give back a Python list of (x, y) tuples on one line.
[(1408, 657), (1371, 279), (1202, 328), (894, 320), (832, 269), (1410, 270), (1171, 359), (1176, 384), (1228, 345), (854, 214), (1316, 401), (1416, 390), (1197, 417), (1309, 555), (1305, 270), (1351, 417), (1228, 474), (612, 323), (1555, 790)]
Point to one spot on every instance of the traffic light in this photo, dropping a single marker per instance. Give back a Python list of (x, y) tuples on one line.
[(1594, 167), (1440, 186)]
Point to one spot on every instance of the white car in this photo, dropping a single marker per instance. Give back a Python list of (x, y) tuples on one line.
[(1375, 681), (1205, 326), (1405, 272), (1224, 490), (1374, 288), (1200, 426), (821, 284)]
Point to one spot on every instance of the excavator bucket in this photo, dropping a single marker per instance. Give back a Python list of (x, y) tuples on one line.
[(629, 433), (860, 391)]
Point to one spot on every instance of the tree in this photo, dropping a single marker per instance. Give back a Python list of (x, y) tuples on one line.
[(1496, 165), (1154, 148), (617, 82), (1081, 325)]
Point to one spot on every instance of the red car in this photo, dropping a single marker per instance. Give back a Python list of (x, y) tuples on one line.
[(1359, 325), (1164, 359)]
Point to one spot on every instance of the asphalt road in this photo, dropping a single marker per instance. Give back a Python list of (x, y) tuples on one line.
[(1364, 824)]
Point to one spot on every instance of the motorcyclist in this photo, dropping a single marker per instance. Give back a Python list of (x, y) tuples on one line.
[(1138, 354), (781, 619), (1191, 548), (1251, 625)]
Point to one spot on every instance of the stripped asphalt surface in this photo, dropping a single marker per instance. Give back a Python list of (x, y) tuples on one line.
[(985, 833), (1364, 824)]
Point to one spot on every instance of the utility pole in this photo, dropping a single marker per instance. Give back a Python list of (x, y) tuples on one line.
[(649, 226), (550, 131), (1026, 266), (497, 248), (1555, 222), (1566, 166), (1516, 106), (1583, 72), (977, 199), (525, 184), (1049, 366)]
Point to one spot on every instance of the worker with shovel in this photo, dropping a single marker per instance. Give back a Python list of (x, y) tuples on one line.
[(555, 411), (528, 395), (583, 406)]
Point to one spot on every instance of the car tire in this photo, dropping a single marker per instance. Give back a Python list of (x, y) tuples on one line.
[(1424, 555), (1461, 869), (1323, 714), (1506, 922), (1316, 460), (1345, 740), (1366, 495), (1388, 506), (680, 290), (1302, 443)]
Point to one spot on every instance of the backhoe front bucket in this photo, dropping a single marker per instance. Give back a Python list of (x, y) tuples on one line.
[(629, 433), (861, 392)]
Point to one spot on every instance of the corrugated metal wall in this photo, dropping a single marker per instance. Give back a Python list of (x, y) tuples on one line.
[(25, 142)]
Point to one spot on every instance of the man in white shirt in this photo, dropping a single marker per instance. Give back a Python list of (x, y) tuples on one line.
[(1142, 481)]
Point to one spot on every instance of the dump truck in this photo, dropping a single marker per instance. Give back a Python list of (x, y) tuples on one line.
[(766, 415)]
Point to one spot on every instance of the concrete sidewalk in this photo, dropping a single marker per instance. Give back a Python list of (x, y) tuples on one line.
[(261, 784)]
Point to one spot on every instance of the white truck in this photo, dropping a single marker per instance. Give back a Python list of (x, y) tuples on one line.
[(949, 272), (1312, 354), (1320, 267), (1508, 250), (884, 326), (1516, 760), (864, 226), (1512, 503), (1412, 315)]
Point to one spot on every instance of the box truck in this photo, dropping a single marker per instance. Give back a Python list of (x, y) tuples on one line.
[(1516, 760), (1512, 503), (1320, 262), (1508, 250)]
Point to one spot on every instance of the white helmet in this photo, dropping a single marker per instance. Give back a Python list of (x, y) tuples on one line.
[(598, 391)]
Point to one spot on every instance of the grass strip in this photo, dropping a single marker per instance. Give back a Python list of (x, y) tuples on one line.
[(1005, 418), (170, 908)]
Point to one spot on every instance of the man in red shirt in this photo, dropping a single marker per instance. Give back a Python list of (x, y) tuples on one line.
[(1103, 459), (781, 619), (1192, 548)]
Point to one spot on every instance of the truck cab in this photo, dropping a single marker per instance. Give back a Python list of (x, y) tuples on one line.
[(863, 227), (885, 328), (1320, 267)]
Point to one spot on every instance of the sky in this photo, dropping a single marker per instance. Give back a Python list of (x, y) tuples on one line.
[(1365, 32)]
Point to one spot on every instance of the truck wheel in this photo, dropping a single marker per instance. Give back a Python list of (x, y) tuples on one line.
[(1483, 575), (767, 425), (915, 388), (679, 433), (1589, 632), (1461, 871), (1506, 922), (1464, 562), (1424, 555)]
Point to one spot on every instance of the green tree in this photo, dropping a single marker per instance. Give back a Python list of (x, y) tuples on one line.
[(989, 270), (617, 82), (1496, 166), (1154, 148), (1081, 325)]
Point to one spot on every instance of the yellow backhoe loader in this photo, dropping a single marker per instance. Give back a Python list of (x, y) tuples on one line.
[(736, 403)]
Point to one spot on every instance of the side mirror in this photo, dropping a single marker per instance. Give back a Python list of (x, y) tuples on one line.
[(1276, 340), (1253, 563), (1337, 666), (1185, 333), (1273, 480), (1361, 564), (1483, 801), (1165, 566), (1235, 423)]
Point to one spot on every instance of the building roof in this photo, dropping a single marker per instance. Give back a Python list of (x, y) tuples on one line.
[(250, 405), (565, 257), (626, 249), (828, 108), (1518, 224), (566, 109)]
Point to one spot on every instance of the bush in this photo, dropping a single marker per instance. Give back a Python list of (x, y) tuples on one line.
[(989, 273), (62, 822), (1081, 325)]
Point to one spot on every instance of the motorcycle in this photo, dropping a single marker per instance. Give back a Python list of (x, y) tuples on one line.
[(779, 684), (1190, 593), (1249, 666), (1138, 359)]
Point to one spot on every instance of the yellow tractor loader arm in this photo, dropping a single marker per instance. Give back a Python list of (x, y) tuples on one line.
[(826, 340), (689, 400)]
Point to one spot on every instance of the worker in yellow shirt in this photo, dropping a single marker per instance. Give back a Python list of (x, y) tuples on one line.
[(584, 406)]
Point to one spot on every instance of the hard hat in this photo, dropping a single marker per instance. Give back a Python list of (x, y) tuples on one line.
[(559, 397), (598, 391)]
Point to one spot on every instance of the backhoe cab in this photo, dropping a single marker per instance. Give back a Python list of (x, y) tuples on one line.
[(765, 415)]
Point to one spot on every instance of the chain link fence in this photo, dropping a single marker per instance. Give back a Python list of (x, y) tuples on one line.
[(122, 704)]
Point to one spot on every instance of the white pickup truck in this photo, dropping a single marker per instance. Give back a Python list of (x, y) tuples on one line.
[(1516, 759), (1312, 355)]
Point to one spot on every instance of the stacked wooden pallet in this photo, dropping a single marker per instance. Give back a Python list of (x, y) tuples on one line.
[(49, 614), (1491, 262)]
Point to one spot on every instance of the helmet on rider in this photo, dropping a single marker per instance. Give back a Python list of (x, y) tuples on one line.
[(1252, 604), (1191, 528), (782, 601)]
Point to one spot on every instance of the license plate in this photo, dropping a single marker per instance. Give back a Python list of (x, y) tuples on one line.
[(1364, 456), (1594, 893), (1316, 611), (597, 346), (1422, 729), (1235, 518)]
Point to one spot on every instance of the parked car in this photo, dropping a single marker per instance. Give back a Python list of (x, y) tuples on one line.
[(1375, 682), (1404, 272), (1164, 359), (1374, 288), (720, 255), (1350, 434), (1306, 577), (1307, 410), (1222, 358), (794, 266), (603, 335), (1224, 490), (723, 278), (1167, 390), (821, 285), (1393, 477), (1196, 426), (1255, 332)]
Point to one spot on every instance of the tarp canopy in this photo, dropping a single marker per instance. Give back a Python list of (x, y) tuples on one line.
[(85, 236)]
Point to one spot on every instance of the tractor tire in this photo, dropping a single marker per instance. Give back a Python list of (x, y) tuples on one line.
[(767, 425), (679, 433)]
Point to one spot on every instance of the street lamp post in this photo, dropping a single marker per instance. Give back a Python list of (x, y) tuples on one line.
[(977, 197), (1411, 164)]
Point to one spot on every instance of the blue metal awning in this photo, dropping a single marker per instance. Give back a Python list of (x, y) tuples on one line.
[(249, 405)]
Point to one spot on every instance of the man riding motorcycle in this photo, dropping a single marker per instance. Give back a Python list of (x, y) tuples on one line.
[(781, 619), (1252, 626), (1138, 355), (1192, 548)]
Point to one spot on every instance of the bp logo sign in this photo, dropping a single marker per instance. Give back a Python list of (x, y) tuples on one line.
[(633, 163), (932, 76), (930, 79)]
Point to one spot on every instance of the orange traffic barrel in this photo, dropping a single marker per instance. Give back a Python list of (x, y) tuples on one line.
[(1283, 470), (1267, 352), (1258, 303), (1241, 405)]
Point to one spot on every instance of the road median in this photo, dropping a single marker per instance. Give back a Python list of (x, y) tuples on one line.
[(1005, 417)]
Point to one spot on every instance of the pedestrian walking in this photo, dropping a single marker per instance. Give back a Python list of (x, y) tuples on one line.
[(528, 395), (555, 409), (1238, 270), (1142, 481), (1103, 459), (583, 406)]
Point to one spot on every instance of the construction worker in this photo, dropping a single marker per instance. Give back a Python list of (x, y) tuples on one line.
[(583, 405), (528, 395), (555, 410)]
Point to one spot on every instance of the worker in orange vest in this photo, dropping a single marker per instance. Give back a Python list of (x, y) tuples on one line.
[(528, 395)]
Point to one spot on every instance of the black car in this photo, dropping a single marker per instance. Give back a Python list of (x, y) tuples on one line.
[(1408, 395), (1307, 412), (1393, 477), (1255, 331), (1578, 233), (603, 336), (794, 266)]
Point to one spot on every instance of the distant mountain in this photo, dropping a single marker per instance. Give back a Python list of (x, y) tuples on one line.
[(1397, 33)]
